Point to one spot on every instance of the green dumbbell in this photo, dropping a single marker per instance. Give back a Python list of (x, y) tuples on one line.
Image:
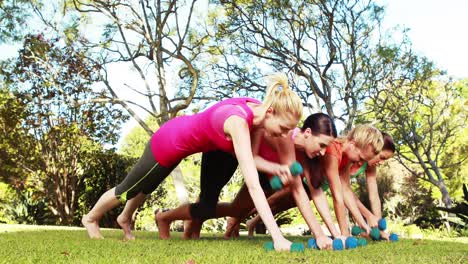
[(295, 247), (356, 231), (275, 181)]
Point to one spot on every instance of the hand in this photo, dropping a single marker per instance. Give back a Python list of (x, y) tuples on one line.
[(284, 173), (366, 230), (384, 235), (343, 238), (372, 221), (282, 244), (324, 242)]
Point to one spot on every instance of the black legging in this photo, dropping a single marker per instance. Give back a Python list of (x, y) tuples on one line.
[(217, 169)]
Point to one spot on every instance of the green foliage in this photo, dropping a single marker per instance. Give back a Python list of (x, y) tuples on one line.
[(6, 194), (460, 209), (423, 111), (136, 140), (104, 170), (385, 184), (13, 15), (413, 204), (16, 144), (57, 124), (28, 207)]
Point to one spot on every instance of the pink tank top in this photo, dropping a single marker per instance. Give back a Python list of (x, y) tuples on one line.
[(201, 132), (268, 153)]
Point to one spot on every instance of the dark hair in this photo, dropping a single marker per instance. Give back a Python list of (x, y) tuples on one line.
[(389, 144), (320, 123)]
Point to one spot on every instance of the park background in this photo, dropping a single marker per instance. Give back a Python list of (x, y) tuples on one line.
[(85, 83)]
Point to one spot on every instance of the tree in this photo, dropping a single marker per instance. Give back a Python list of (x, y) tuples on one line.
[(52, 81), (159, 42), (13, 14), (323, 44), (425, 115)]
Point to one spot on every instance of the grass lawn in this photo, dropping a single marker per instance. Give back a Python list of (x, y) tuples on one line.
[(27, 244)]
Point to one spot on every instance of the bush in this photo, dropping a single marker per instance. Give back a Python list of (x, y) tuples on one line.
[(28, 207)]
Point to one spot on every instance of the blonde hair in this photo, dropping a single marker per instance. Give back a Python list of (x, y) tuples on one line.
[(281, 98), (364, 135)]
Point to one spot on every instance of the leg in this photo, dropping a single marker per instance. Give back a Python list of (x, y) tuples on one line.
[(105, 203), (164, 219), (251, 224), (144, 177), (125, 218), (192, 228), (216, 170)]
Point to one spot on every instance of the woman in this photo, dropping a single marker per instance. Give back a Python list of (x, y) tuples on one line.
[(361, 144), (301, 144), (226, 126), (370, 169)]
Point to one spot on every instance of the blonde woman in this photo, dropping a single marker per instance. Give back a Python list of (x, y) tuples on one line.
[(361, 144), (226, 126)]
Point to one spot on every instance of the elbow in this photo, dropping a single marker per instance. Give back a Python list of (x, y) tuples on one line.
[(254, 187)]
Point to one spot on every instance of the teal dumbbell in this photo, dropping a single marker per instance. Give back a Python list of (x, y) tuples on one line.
[(337, 244), (295, 247), (375, 233), (382, 224), (351, 242), (393, 237), (356, 231), (295, 169), (361, 242), (312, 244)]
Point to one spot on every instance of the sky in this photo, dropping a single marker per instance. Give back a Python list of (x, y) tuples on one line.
[(438, 30)]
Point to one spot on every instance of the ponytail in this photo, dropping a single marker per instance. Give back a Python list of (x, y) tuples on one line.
[(281, 98)]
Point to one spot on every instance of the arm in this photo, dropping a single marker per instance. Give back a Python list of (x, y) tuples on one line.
[(370, 217), (330, 164), (267, 166), (321, 203), (287, 155), (350, 201), (238, 130), (371, 178), (303, 204)]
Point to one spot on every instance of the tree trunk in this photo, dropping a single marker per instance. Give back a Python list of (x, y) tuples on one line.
[(445, 194), (179, 185)]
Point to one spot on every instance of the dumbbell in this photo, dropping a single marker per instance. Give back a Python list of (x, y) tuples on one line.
[(295, 247), (275, 181)]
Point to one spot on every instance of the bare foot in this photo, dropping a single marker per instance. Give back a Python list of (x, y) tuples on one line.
[(196, 229), (235, 231), (163, 226), (192, 229), (250, 228), (126, 225), (230, 228), (92, 227), (188, 225)]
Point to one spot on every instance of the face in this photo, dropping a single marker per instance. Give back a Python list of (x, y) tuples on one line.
[(357, 154), (315, 145), (380, 158), (278, 125)]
